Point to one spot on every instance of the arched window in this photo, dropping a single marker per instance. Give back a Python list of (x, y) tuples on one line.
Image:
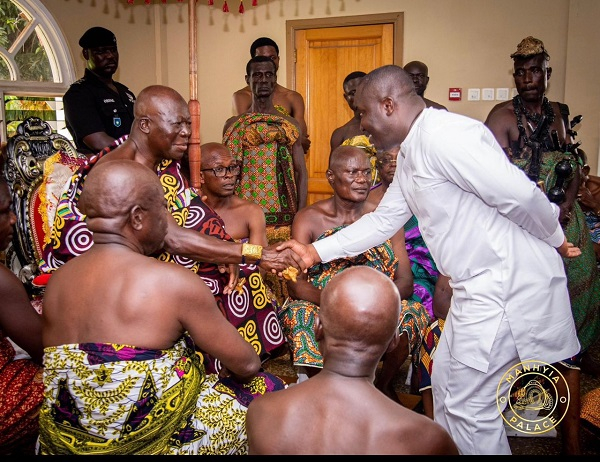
[(36, 68)]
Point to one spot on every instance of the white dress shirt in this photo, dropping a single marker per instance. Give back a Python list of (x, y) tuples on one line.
[(488, 227)]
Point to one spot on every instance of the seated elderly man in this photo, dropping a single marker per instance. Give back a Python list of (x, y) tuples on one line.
[(121, 373), (158, 140), (349, 174), (195, 238)]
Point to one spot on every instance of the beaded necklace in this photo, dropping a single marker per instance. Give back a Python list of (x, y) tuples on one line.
[(535, 118), (543, 122)]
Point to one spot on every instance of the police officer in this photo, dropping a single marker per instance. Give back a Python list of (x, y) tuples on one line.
[(98, 110)]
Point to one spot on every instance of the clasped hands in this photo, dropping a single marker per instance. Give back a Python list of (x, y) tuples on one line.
[(285, 259), (284, 256)]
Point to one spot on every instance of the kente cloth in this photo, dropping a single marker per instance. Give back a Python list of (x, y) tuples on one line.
[(425, 359), (583, 275), (251, 308), (70, 237), (282, 109), (58, 169), (21, 394), (278, 286), (297, 317), (363, 142), (425, 272), (110, 399), (262, 143)]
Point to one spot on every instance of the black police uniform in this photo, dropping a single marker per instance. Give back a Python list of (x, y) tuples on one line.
[(91, 106)]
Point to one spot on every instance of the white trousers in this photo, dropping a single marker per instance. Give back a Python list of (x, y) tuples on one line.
[(464, 398)]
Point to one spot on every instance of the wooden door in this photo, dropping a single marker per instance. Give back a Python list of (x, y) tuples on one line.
[(324, 57)]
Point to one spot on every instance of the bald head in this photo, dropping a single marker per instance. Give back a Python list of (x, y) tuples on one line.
[(390, 80), (112, 189), (340, 155), (420, 75), (360, 306), (213, 153), (388, 104), (416, 67), (155, 99)]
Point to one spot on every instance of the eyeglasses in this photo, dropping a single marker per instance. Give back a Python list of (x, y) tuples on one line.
[(220, 172), (386, 162)]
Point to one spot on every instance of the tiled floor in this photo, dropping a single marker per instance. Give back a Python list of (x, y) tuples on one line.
[(590, 439)]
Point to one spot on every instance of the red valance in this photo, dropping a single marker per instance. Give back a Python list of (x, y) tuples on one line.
[(225, 7)]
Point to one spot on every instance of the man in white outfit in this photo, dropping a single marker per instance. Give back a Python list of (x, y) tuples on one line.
[(489, 229)]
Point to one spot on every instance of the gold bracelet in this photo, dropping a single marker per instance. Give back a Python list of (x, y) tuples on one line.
[(251, 250)]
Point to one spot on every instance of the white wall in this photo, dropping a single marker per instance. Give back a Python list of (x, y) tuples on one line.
[(465, 43)]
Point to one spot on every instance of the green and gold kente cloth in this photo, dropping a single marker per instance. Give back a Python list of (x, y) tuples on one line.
[(262, 143), (109, 399), (298, 317), (583, 276)]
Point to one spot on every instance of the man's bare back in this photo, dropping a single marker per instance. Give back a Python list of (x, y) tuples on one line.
[(115, 293), (339, 410)]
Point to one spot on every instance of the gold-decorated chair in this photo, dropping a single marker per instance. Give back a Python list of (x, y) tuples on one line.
[(37, 164)]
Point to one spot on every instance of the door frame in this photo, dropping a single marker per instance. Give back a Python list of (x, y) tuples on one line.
[(397, 19)]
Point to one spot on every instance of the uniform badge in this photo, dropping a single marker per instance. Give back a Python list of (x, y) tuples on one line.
[(116, 121)]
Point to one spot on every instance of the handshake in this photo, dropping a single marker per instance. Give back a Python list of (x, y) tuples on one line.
[(287, 259)]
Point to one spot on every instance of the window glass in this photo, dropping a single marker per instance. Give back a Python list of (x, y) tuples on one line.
[(13, 23), (4, 71), (35, 66), (33, 62)]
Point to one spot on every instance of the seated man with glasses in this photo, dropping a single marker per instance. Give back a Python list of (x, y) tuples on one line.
[(420, 75), (349, 175), (252, 307)]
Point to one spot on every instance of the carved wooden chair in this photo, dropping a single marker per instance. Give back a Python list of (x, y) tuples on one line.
[(29, 154)]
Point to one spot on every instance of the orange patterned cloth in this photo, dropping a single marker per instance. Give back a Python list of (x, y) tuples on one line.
[(590, 407)]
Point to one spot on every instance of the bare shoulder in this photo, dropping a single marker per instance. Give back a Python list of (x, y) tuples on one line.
[(9, 282), (241, 99), (289, 93), (241, 205), (315, 210), (500, 111), (292, 101), (242, 91), (313, 220), (230, 122), (421, 435), (373, 200), (174, 277)]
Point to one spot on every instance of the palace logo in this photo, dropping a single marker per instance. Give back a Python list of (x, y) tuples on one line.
[(531, 402)]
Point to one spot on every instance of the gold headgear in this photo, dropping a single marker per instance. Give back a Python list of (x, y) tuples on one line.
[(530, 46)]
